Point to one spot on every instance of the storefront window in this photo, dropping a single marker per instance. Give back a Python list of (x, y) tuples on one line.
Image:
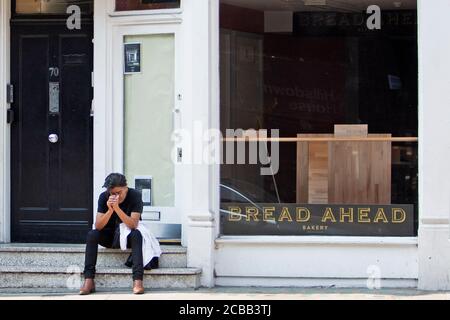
[(126, 5), (335, 88), (51, 6)]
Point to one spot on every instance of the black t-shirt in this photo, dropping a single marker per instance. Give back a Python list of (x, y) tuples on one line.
[(133, 203)]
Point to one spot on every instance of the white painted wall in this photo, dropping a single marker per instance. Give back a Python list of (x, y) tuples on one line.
[(316, 261), (109, 103), (196, 88), (5, 211), (434, 139), (102, 127), (199, 34)]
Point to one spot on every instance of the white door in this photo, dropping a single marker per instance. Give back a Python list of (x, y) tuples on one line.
[(147, 112)]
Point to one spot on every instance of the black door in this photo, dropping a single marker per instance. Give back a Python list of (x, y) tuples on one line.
[(51, 142)]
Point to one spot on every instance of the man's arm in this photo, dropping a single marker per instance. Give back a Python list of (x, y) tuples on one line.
[(131, 222), (102, 219)]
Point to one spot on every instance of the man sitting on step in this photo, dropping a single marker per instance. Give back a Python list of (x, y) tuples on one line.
[(118, 204)]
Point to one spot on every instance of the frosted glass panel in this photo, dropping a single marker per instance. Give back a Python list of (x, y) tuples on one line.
[(149, 102)]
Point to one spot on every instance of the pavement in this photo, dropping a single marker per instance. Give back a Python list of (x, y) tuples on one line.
[(229, 293)]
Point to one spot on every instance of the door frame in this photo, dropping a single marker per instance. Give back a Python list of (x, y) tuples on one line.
[(101, 9), (5, 128), (119, 30)]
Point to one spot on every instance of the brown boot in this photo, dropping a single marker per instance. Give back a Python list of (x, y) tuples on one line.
[(138, 287), (88, 287)]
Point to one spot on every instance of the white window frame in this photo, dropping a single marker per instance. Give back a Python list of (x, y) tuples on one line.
[(215, 173), (120, 29), (113, 13)]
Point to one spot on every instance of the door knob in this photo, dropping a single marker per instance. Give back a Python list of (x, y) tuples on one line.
[(53, 138)]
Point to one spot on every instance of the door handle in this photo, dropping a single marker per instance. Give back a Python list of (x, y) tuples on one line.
[(53, 138)]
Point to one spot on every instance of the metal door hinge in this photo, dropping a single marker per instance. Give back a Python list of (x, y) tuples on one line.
[(180, 155)]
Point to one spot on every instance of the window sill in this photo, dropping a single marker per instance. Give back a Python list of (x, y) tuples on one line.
[(319, 240), (146, 12)]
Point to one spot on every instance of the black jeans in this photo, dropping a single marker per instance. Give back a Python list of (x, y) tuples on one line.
[(105, 238)]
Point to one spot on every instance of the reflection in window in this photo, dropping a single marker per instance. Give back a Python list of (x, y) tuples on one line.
[(126, 5), (347, 94), (52, 6)]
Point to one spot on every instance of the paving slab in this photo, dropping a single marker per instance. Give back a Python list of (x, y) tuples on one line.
[(230, 293)]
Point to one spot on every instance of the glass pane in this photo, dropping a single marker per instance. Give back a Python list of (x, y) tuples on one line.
[(339, 86), (28, 6), (149, 102), (52, 6), (125, 5)]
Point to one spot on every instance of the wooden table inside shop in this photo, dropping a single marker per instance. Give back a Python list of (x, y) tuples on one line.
[(350, 166), (347, 167)]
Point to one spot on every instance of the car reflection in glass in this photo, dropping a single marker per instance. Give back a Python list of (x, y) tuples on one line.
[(241, 192)]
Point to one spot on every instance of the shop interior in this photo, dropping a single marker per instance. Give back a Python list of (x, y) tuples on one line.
[(314, 69)]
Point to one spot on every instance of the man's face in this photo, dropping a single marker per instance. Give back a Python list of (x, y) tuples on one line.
[(119, 191)]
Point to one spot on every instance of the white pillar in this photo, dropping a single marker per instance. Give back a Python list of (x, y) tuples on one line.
[(434, 144), (5, 189), (102, 103), (200, 219)]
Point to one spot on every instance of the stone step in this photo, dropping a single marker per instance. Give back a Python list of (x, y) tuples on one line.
[(113, 278), (15, 255)]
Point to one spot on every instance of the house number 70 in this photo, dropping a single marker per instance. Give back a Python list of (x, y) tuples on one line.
[(54, 72)]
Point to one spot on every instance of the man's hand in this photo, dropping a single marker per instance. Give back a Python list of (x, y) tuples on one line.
[(113, 203)]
